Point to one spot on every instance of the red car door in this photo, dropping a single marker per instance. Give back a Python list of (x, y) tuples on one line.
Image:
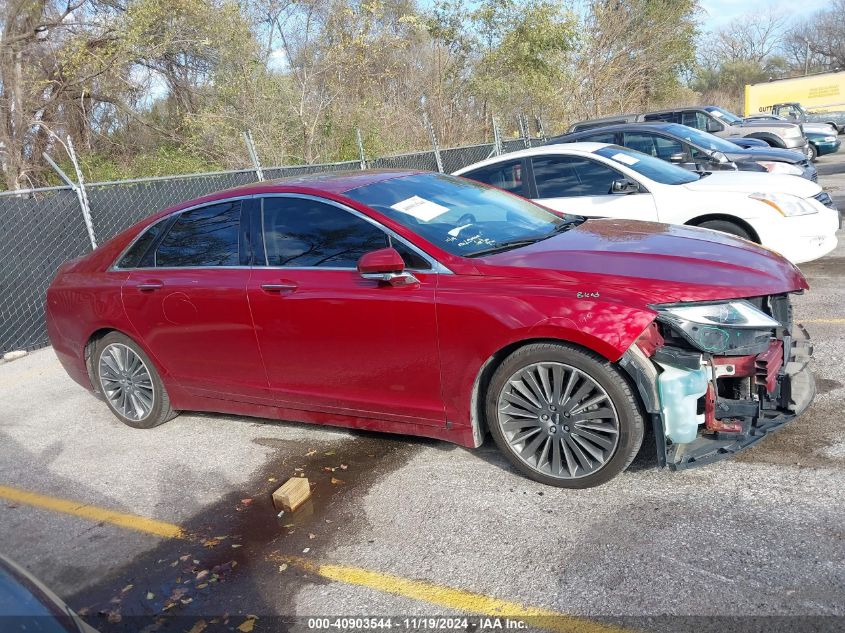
[(331, 340), (187, 300)]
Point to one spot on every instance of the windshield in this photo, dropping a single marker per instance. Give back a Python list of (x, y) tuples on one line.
[(719, 113), (461, 216), (703, 139), (650, 167)]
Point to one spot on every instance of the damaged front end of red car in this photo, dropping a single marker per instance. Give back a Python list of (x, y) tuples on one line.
[(717, 377)]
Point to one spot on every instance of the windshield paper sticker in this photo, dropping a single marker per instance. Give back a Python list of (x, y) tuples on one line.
[(624, 158), (420, 208)]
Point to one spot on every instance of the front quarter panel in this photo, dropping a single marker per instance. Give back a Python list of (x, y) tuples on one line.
[(482, 316)]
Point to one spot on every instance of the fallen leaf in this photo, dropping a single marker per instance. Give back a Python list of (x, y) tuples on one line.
[(185, 557), (271, 479), (343, 466), (150, 595), (283, 567), (198, 627), (337, 481), (210, 542), (310, 453), (329, 453), (126, 588), (186, 600), (289, 525), (236, 545), (247, 625), (221, 538), (202, 586), (299, 470), (202, 574), (246, 502), (83, 611), (310, 535), (306, 550)]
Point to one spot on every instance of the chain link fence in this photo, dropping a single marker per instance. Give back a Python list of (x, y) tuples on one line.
[(42, 228)]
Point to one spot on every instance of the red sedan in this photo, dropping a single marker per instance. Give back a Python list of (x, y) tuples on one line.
[(430, 305)]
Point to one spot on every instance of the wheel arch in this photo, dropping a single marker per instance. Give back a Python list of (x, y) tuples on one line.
[(488, 368), (772, 139), (700, 219), (96, 335)]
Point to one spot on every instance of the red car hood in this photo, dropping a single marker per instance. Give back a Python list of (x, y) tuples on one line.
[(660, 263)]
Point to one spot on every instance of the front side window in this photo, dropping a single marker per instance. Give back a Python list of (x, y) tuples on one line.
[(305, 233), (571, 176), (507, 176), (703, 139), (207, 236), (463, 217)]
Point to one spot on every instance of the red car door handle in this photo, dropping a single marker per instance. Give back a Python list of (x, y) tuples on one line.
[(280, 287), (150, 285)]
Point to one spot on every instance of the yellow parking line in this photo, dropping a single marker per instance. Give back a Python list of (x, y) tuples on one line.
[(93, 513), (450, 598), (828, 321)]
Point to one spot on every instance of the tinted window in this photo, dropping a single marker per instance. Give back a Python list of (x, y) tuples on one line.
[(207, 236), (703, 139), (600, 137), (132, 258), (507, 176), (303, 232), (566, 176), (461, 216), (653, 144), (670, 117), (698, 120)]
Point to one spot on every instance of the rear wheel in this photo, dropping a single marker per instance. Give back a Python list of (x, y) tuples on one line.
[(129, 382), (563, 416), (726, 226)]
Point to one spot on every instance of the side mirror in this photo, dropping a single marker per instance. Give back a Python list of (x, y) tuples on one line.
[(719, 157), (385, 265), (679, 157), (713, 126), (623, 186)]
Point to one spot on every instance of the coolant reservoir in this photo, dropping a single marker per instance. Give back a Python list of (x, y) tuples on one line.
[(679, 391)]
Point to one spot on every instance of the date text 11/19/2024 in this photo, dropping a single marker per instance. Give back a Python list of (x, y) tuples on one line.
[(430, 623)]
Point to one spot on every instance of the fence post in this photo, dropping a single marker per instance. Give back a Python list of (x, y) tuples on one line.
[(78, 189), (497, 138), (540, 129), (434, 145), (523, 129), (253, 155), (361, 154)]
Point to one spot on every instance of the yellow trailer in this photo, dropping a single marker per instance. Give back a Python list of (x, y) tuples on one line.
[(816, 93)]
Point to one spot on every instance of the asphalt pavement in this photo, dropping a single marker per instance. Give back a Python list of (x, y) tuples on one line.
[(399, 526)]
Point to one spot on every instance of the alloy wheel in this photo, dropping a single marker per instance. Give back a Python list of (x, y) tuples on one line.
[(558, 420), (126, 382)]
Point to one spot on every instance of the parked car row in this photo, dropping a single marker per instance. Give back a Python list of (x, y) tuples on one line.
[(561, 299)]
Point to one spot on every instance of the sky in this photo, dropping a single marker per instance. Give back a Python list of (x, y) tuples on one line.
[(719, 13)]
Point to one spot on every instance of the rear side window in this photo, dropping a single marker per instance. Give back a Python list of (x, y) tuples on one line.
[(669, 117), (507, 176), (569, 176), (300, 232), (653, 144), (134, 257), (208, 236), (600, 137)]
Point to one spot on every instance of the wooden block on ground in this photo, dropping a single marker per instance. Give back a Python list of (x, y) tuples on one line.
[(292, 494)]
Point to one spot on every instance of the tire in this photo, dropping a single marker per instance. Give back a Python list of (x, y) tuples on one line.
[(121, 369), (550, 455), (812, 153), (726, 226)]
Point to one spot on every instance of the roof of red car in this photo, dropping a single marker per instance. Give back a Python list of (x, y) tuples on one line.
[(330, 182)]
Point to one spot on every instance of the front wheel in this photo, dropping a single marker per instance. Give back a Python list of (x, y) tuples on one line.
[(812, 153), (129, 383), (563, 416), (726, 226)]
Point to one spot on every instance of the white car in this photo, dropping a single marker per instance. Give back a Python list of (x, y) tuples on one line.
[(788, 214)]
